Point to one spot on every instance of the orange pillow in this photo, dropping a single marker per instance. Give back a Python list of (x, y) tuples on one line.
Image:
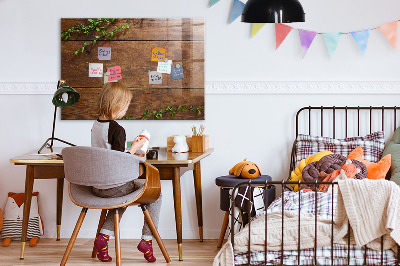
[(375, 170)]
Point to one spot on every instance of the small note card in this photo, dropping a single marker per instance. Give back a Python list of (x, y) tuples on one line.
[(158, 54), (115, 73), (95, 70), (164, 67), (155, 77), (104, 53), (177, 72), (106, 78)]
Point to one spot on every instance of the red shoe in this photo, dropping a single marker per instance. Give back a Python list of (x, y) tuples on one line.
[(146, 247), (101, 245)]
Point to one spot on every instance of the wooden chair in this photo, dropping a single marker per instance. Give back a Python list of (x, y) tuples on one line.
[(85, 167)]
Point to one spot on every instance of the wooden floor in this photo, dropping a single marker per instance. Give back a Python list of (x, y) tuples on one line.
[(50, 252)]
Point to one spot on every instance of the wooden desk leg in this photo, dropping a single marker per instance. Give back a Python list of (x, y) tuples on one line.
[(60, 190), (199, 204), (176, 183), (27, 206)]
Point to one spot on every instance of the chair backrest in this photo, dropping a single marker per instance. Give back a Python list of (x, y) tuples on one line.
[(92, 166)]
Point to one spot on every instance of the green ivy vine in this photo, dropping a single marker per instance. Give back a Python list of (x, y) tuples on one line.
[(102, 28), (165, 112)]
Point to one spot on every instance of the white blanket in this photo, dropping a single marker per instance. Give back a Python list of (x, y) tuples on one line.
[(373, 209)]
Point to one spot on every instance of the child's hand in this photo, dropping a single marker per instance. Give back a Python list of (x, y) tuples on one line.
[(142, 155), (137, 144)]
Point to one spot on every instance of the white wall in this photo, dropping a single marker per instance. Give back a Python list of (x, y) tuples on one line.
[(258, 126)]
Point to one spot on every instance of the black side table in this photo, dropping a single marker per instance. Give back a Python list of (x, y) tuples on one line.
[(226, 183)]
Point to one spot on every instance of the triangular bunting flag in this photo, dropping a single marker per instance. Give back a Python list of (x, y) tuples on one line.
[(361, 37), (332, 41), (255, 28), (390, 32), (306, 39), (281, 31), (213, 2), (237, 9)]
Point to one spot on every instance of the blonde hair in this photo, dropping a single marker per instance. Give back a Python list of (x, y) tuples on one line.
[(112, 99)]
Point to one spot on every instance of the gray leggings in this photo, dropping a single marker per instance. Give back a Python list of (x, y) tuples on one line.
[(154, 208)]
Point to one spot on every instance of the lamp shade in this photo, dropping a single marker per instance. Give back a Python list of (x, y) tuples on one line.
[(273, 11), (65, 96)]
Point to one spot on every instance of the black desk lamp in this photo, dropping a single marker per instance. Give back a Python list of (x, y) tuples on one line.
[(63, 97), (273, 11)]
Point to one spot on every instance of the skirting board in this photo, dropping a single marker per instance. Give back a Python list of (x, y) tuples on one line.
[(250, 87)]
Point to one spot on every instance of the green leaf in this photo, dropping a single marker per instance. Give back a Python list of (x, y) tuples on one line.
[(76, 52), (90, 20), (94, 42), (83, 48)]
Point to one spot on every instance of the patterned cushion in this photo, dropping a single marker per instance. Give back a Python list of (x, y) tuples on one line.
[(13, 228), (372, 144)]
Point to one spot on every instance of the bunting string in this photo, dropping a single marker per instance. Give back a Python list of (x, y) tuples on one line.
[(361, 37)]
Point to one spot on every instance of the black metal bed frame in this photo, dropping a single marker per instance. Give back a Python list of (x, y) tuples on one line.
[(283, 184)]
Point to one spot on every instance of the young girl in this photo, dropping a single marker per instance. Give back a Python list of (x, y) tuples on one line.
[(113, 103)]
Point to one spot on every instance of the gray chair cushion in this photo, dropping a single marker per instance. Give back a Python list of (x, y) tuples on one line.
[(84, 196)]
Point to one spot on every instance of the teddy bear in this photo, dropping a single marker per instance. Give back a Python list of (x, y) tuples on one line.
[(13, 215), (245, 169), (180, 144)]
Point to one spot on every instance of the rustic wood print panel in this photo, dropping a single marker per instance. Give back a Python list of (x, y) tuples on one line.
[(131, 49)]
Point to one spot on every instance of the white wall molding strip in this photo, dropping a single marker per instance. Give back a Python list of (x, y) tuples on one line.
[(303, 87), (28, 88), (251, 87)]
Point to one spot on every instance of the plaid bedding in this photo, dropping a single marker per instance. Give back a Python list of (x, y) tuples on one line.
[(323, 207), (324, 257), (372, 145)]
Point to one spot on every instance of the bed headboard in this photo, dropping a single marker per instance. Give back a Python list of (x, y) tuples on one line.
[(347, 116), (344, 121)]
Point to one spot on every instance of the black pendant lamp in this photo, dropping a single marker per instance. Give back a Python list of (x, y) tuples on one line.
[(273, 11)]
